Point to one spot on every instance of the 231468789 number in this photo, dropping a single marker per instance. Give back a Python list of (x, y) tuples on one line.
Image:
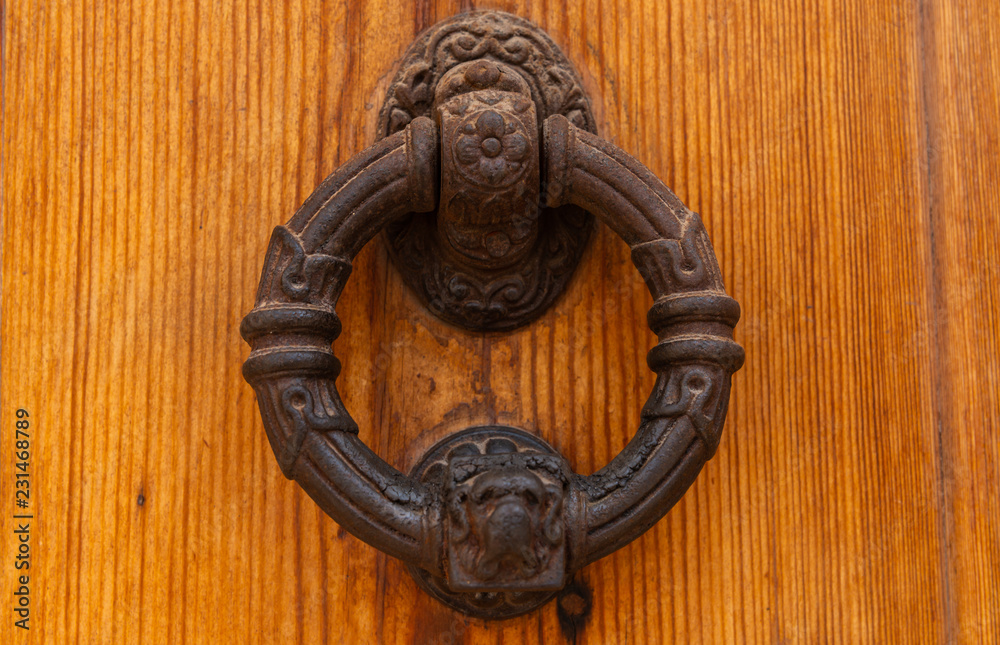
[(22, 454)]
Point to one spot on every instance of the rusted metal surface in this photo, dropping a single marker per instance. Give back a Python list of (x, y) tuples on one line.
[(503, 493), (490, 184), (492, 522), (489, 258)]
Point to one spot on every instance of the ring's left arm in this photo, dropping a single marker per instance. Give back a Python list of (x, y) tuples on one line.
[(294, 321)]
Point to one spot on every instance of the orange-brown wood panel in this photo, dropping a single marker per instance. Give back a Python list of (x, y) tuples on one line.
[(841, 153), (963, 99)]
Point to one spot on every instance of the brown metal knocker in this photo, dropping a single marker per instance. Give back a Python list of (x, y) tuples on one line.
[(492, 521)]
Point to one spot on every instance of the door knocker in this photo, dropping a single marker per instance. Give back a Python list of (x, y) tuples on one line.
[(484, 181)]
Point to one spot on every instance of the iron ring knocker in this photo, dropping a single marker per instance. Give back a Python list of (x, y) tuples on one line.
[(492, 521)]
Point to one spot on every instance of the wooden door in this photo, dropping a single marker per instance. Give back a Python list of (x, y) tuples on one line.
[(843, 156)]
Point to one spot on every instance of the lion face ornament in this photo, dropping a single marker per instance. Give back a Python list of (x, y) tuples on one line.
[(505, 521)]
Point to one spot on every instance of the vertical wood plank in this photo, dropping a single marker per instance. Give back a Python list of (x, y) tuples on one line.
[(963, 98)]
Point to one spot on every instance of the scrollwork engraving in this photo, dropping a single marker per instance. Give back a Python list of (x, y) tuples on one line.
[(485, 260)]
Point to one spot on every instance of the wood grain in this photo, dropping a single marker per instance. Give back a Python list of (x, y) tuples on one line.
[(843, 158), (963, 98)]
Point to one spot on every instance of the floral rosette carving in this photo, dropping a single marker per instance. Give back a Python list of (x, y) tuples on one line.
[(491, 150)]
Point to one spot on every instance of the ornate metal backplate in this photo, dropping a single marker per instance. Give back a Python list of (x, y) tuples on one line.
[(488, 259)]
